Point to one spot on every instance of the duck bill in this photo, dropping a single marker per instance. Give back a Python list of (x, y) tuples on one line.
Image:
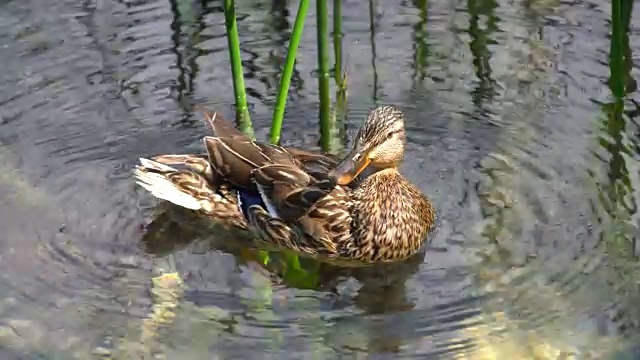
[(349, 167)]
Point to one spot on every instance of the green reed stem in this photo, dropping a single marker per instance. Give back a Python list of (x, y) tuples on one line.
[(337, 42), (233, 39), (323, 73), (620, 57), (616, 57), (340, 77), (285, 80)]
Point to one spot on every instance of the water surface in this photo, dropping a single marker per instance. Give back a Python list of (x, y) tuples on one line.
[(520, 129)]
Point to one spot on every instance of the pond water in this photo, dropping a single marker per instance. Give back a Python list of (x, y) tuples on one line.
[(514, 132)]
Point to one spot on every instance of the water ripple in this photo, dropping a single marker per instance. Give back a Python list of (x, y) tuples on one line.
[(499, 103)]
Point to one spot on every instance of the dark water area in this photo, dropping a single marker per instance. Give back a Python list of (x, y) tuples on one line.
[(522, 129)]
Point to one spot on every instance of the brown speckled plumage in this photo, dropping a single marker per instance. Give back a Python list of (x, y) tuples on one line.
[(392, 227), (359, 209)]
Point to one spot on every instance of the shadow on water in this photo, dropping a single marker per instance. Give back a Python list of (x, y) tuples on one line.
[(373, 18), (381, 289), (534, 253), (420, 42), (174, 229), (187, 25), (479, 45), (267, 53)]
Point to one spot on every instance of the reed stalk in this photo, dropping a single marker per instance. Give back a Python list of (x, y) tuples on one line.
[(337, 42), (323, 74), (233, 39), (340, 77), (285, 80), (619, 24)]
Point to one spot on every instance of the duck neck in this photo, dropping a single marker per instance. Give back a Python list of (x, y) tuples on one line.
[(377, 171), (377, 182)]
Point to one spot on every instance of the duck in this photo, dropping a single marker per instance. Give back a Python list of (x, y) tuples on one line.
[(357, 208)]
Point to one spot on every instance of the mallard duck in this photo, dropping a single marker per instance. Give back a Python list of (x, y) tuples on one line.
[(358, 208)]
